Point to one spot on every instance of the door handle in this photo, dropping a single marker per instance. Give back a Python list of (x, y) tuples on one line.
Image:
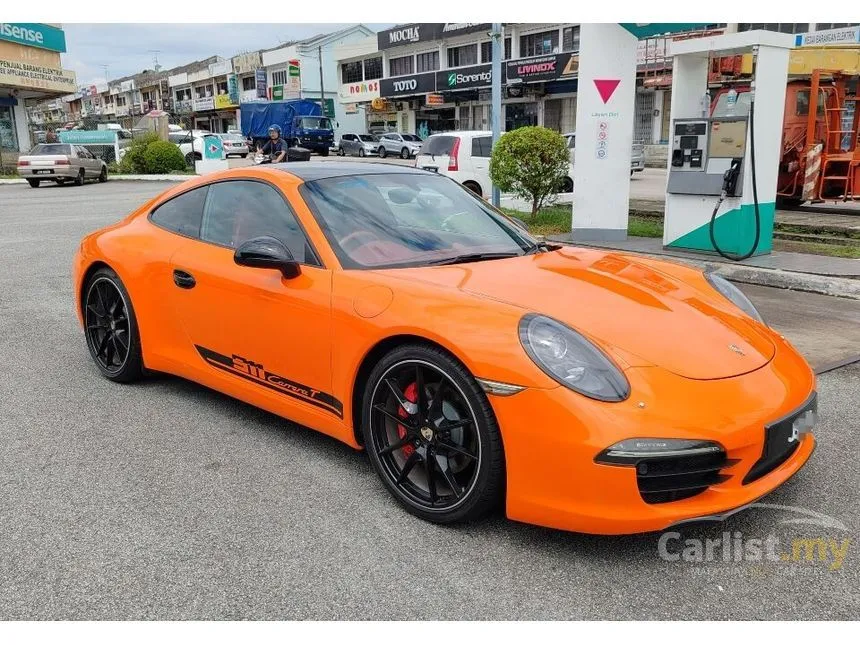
[(183, 280)]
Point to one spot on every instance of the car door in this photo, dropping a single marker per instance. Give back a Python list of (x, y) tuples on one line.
[(348, 144), (250, 330), (89, 162), (480, 162)]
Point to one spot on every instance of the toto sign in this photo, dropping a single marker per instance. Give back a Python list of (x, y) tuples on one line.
[(406, 85)]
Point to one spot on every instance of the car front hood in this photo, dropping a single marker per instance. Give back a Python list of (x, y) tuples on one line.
[(638, 314)]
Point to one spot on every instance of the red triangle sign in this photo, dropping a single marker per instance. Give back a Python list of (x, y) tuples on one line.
[(606, 86)]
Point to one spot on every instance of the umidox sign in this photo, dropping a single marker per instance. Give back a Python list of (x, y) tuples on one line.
[(34, 34)]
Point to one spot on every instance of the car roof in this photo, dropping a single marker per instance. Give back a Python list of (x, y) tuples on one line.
[(464, 133), (313, 170)]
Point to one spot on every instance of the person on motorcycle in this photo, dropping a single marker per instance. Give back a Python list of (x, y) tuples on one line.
[(275, 146)]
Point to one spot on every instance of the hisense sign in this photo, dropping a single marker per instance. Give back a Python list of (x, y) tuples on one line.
[(33, 34)]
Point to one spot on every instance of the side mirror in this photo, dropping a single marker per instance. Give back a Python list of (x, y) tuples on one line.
[(267, 253)]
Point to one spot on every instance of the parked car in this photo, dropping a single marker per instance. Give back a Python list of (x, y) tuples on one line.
[(235, 145), (60, 162), (184, 139), (405, 145), (465, 157), (637, 158), (358, 144)]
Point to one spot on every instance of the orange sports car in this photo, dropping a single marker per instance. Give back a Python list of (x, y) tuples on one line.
[(394, 310)]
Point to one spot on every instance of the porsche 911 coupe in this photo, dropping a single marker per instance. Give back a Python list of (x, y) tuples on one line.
[(394, 310)]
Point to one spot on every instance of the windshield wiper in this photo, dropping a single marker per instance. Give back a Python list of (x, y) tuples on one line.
[(473, 257)]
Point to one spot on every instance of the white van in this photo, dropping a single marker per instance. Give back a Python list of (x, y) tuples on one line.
[(465, 157)]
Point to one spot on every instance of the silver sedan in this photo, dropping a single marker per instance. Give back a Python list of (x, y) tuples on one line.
[(60, 162)]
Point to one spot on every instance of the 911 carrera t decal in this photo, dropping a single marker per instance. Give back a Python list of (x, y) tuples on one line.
[(255, 372)]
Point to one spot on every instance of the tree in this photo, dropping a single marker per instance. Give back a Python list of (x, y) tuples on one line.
[(532, 163)]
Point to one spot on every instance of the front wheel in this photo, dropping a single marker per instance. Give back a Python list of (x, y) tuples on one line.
[(111, 327), (567, 185), (361, 152), (404, 153), (431, 435), (382, 152), (103, 175)]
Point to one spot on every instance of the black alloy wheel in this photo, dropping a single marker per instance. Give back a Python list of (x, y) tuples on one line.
[(103, 175), (432, 436), (79, 180), (111, 327)]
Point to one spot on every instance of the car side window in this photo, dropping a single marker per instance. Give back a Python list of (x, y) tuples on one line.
[(237, 211), (481, 146), (182, 214)]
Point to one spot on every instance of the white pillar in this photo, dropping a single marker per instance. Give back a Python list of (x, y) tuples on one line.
[(604, 131)]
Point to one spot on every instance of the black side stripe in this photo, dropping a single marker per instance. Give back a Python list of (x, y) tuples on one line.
[(256, 373)]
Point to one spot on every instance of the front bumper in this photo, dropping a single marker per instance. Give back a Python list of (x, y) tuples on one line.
[(552, 437), (56, 172)]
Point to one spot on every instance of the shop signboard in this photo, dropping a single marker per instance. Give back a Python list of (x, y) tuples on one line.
[(205, 103), (357, 92), (277, 92), (233, 88), (408, 85), (36, 76), (465, 78), (223, 101), (294, 77), (542, 68), (262, 88), (33, 34), (435, 99), (328, 108), (422, 32)]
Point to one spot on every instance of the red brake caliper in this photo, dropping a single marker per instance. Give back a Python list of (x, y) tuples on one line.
[(411, 394)]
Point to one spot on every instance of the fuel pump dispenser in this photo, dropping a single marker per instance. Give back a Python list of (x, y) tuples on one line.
[(722, 168)]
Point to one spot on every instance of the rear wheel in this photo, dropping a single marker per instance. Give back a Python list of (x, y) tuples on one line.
[(473, 186), (324, 152), (567, 185), (431, 435), (79, 180), (404, 153), (382, 152), (34, 183), (111, 327)]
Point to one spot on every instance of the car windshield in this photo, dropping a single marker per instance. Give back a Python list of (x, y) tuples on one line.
[(366, 137), (316, 123), (231, 137), (52, 149), (411, 137), (398, 220)]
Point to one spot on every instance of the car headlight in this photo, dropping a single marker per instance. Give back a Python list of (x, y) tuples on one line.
[(570, 359), (734, 295)]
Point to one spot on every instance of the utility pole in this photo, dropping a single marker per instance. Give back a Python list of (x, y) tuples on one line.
[(322, 87), (496, 105)]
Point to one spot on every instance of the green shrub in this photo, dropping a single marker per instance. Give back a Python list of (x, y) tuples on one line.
[(161, 157), (531, 163), (133, 162)]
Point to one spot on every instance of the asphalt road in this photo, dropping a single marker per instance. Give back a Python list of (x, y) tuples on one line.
[(166, 500)]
